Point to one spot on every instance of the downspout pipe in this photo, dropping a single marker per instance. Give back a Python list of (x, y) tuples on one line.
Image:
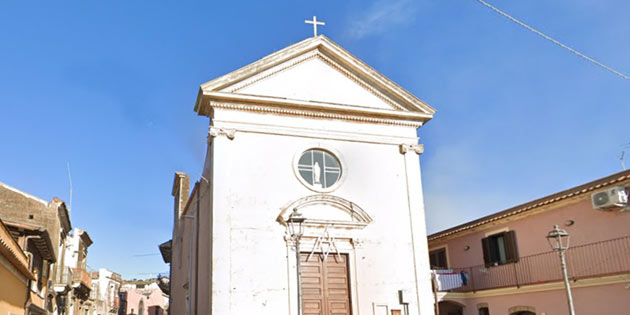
[(30, 268), (190, 265), (197, 247)]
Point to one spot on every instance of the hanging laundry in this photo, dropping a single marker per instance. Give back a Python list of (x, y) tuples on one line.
[(449, 280)]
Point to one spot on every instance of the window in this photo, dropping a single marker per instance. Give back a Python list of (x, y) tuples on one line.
[(500, 249), (437, 258), (484, 311), (319, 168)]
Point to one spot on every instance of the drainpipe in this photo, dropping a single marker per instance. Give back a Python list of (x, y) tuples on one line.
[(197, 248), (190, 260), (28, 281)]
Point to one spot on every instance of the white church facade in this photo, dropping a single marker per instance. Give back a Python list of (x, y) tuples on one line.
[(308, 129)]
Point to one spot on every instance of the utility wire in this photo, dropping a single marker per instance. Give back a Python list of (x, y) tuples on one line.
[(150, 273), (541, 34), (142, 255)]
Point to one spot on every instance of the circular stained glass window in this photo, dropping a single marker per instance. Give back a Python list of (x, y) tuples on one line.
[(319, 168)]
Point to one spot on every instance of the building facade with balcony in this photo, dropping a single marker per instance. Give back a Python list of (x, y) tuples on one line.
[(76, 258), (503, 264), (40, 229), (37, 246), (106, 286), (14, 273)]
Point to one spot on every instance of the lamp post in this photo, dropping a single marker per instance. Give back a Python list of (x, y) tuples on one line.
[(559, 241), (296, 228)]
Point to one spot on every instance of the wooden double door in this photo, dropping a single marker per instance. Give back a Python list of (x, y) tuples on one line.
[(325, 285)]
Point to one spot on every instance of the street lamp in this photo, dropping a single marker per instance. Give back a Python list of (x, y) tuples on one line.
[(559, 241), (296, 228)]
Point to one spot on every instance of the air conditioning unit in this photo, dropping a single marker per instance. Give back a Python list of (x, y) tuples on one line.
[(609, 198)]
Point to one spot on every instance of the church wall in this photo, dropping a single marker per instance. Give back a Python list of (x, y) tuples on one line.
[(204, 268), (252, 264), (180, 264)]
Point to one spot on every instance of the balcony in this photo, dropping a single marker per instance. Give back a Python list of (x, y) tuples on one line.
[(584, 261), (63, 282), (66, 277), (82, 277)]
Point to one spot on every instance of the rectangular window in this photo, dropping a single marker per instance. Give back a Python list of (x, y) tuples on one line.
[(437, 258), (484, 311), (500, 249)]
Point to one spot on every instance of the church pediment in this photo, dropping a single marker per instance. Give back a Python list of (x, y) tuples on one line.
[(327, 210), (315, 77), (314, 71)]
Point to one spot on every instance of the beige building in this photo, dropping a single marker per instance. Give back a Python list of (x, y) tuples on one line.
[(14, 273), (40, 228), (309, 128), (510, 268)]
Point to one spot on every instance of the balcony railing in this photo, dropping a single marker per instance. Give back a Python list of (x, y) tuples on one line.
[(65, 278), (82, 276), (584, 261)]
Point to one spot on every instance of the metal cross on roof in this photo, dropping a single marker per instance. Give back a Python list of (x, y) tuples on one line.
[(315, 23)]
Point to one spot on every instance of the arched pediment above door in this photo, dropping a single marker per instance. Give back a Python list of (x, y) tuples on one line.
[(327, 210)]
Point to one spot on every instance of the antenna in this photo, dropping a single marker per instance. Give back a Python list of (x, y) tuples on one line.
[(70, 178)]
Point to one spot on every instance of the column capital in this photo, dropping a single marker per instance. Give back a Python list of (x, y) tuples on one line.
[(356, 242), (215, 132), (418, 148)]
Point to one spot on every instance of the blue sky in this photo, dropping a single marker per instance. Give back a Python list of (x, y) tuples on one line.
[(110, 86)]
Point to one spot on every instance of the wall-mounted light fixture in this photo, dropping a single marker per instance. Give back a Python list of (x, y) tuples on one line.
[(466, 247)]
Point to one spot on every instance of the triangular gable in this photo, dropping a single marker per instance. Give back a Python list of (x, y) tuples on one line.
[(315, 70), (314, 77)]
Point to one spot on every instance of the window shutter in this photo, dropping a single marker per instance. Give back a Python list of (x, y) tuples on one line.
[(433, 259), (442, 258), (485, 244), (438, 258), (511, 249)]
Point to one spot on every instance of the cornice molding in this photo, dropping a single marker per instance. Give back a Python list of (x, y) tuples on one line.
[(271, 72), (313, 114), (314, 133), (360, 218)]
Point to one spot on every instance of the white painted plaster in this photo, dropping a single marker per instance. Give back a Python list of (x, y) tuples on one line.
[(307, 80), (250, 169)]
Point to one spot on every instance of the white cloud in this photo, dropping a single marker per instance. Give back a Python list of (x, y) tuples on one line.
[(381, 16)]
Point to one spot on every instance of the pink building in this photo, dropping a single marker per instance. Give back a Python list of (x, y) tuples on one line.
[(503, 264), (142, 302)]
